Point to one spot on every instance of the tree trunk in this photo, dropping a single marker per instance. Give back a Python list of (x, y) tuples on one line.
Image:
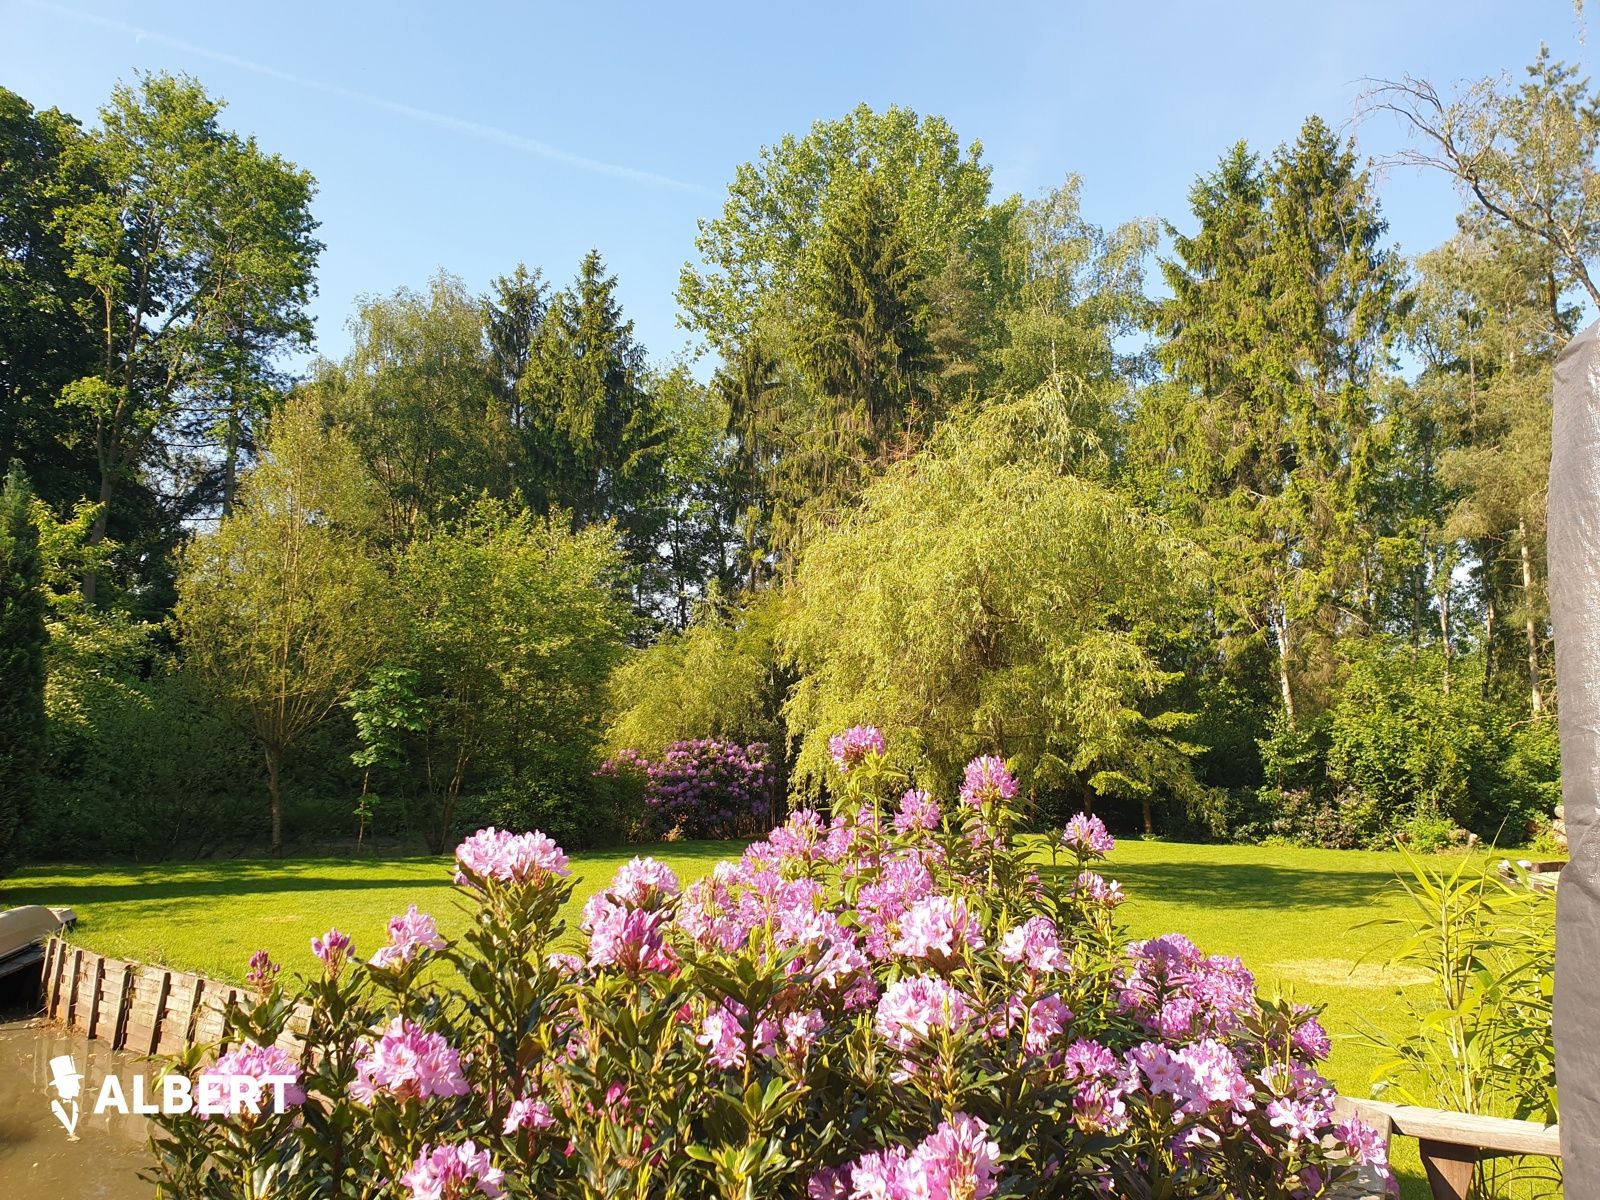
[(1444, 635), (274, 768), (1530, 624), (1280, 630), (230, 460), (1149, 817), (97, 534), (1490, 614)]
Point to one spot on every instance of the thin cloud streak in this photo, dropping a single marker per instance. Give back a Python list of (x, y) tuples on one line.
[(487, 133)]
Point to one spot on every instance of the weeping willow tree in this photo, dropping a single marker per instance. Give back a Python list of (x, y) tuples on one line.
[(983, 599)]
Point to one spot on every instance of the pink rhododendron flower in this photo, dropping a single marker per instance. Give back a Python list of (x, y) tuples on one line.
[(800, 1030), (334, 949), (1297, 1118), (880, 1176), (851, 748), (987, 782), (644, 883), (1180, 993), (938, 928), (407, 1062), (904, 880), (1089, 836), (1098, 890), (453, 1173), (1311, 1039), (1035, 944), (630, 938), (830, 1183), (722, 1034), (410, 933), (1047, 1019), (911, 1009), (263, 971), (917, 810), (508, 857), (958, 1162), (217, 1094), (529, 1112), (1368, 1148)]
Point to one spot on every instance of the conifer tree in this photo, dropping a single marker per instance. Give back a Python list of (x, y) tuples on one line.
[(1279, 330)]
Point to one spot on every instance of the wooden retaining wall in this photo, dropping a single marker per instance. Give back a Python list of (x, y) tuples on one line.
[(140, 1008)]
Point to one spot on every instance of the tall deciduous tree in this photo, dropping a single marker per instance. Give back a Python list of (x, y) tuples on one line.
[(511, 626), (418, 398), (44, 341), (22, 646), (1525, 157), (196, 252), (278, 610)]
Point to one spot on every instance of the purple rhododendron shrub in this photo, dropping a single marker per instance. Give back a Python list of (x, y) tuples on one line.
[(702, 788), (892, 1001)]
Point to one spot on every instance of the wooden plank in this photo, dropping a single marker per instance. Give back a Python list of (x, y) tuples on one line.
[(195, 999), (1498, 1135), (60, 977), (51, 949), (163, 987), (119, 1028), (176, 1020), (94, 994), (72, 988), (1449, 1168), (52, 976)]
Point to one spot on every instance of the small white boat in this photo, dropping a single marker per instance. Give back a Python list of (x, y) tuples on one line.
[(23, 932)]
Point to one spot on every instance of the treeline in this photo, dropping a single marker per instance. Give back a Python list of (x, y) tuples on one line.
[(1256, 551)]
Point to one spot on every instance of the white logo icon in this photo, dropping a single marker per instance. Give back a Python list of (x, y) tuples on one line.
[(67, 1080)]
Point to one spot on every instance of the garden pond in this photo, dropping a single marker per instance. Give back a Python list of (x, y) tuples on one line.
[(38, 1160)]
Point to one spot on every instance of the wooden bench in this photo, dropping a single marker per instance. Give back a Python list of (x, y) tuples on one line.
[(1452, 1143)]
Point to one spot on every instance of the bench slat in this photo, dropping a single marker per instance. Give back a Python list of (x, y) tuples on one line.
[(1498, 1135)]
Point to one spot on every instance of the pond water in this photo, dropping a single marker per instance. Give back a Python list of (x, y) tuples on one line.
[(38, 1160)]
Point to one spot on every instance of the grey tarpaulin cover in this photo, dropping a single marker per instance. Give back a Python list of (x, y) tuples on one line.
[(1574, 543)]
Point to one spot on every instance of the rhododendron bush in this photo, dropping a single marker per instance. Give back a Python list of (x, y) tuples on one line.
[(700, 789), (895, 1002)]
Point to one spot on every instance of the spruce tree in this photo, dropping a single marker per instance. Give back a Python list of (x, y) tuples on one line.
[(22, 643)]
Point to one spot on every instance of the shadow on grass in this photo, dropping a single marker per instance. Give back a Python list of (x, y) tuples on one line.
[(1213, 885), (99, 884), (70, 892)]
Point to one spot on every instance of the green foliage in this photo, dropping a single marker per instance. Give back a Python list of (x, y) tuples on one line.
[(1421, 740), (140, 767), (44, 342), (981, 597), (1077, 288), (416, 398), (278, 608), (510, 626), (851, 285), (722, 677), (1285, 305), (1410, 743), (194, 250), (22, 662), (1479, 1036)]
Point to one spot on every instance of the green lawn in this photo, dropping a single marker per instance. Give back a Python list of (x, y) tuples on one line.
[(1294, 916)]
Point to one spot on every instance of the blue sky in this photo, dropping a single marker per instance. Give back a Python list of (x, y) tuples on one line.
[(471, 136)]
